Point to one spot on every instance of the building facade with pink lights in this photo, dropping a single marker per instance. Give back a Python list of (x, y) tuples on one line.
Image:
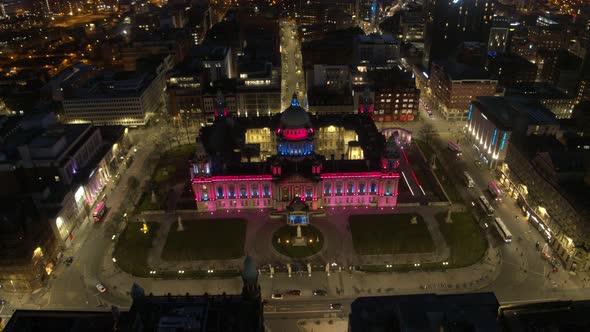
[(324, 161)]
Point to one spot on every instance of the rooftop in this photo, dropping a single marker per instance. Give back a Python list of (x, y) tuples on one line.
[(425, 312), (504, 111), (459, 71)]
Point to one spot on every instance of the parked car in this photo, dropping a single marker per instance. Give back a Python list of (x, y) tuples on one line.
[(320, 292), (277, 296), (335, 306), (101, 288), (294, 292)]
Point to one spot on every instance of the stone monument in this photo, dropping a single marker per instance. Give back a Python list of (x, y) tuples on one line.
[(180, 227), (299, 240)]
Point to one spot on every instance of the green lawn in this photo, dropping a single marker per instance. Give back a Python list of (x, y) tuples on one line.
[(172, 164), (172, 168), (425, 178), (464, 238), (426, 149), (441, 174), (389, 234), (447, 183), (206, 240), (133, 247), (287, 233), (146, 204)]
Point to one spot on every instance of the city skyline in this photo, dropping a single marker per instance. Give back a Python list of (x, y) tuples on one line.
[(294, 165)]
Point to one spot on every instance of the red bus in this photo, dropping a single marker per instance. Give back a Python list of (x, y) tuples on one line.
[(495, 191), (99, 211), (455, 148)]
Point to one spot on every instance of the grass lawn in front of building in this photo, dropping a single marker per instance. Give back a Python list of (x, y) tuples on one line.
[(464, 238), (133, 246), (206, 240), (384, 234), (441, 173)]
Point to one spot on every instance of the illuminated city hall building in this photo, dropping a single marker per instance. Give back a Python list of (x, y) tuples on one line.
[(268, 162)]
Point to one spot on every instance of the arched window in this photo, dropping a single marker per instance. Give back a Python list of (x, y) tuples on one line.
[(243, 191), (266, 190), (231, 191), (362, 188), (254, 190), (338, 188), (308, 193), (327, 188), (219, 191), (373, 188), (388, 189), (350, 188)]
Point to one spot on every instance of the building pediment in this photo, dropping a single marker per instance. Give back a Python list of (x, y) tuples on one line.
[(295, 178)]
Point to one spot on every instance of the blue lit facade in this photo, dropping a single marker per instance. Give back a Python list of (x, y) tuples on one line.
[(295, 149), (488, 134)]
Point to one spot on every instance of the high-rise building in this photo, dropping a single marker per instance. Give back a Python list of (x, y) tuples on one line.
[(450, 22), (499, 35)]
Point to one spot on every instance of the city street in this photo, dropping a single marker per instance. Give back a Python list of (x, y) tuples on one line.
[(525, 274), (292, 76), (74, 286)]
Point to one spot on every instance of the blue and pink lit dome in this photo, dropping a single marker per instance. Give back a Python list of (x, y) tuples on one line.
[(295, 132)]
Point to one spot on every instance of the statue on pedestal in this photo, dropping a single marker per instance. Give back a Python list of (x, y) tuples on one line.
[(180, 227)]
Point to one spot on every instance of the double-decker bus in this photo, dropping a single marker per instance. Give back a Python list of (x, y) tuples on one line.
[(468, 180), (455, 148), (486, 206), (99, 211), (503, 230), (495, 191)]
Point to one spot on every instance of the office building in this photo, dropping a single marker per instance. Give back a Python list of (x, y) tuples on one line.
[(511, 69), (455, 85), (493, 122), (556, 100), (376, 50), (448, 23), (395, 96), (499, 39), (116, 98)]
